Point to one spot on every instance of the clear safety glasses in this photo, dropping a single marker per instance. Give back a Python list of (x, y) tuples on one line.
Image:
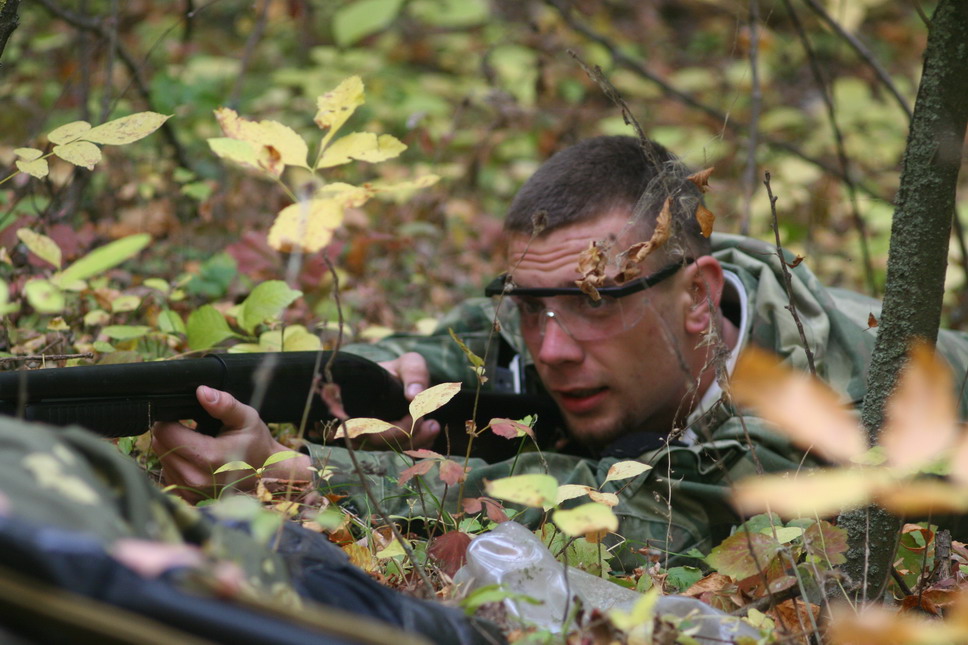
[(575, 312)]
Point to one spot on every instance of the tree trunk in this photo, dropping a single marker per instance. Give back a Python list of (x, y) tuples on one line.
[(917, 259), (8, 20)]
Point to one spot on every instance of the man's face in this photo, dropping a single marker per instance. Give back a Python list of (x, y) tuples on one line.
[(630, 381)]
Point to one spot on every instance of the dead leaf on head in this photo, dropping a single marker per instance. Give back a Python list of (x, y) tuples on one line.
[(591, 266), (701, 178), (705, 218)]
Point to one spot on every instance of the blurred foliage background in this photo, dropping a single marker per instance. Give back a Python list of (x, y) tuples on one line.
[(481, 91)]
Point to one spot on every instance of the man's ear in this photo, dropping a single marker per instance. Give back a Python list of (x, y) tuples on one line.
[(705, 290)]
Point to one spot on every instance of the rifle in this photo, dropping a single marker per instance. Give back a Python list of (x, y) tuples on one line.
[(125, 399)]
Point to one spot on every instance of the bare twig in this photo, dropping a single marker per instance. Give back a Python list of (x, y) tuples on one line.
[(727, 121), (44, 357), (250, 44), (109, 59), (756, 103), (842, 158), (786, 276), (864, 53)]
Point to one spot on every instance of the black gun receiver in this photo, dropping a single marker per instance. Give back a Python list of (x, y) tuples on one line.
[(125, 399)]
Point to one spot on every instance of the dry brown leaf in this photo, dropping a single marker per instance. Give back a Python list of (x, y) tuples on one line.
[(921, 418), (871, 321), (701, 179), (663, 225), (923, 497), (811, 493), (705, 218), (591, 266), (803, 408)]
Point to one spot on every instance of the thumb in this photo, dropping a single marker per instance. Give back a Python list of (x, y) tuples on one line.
[(233, 414)]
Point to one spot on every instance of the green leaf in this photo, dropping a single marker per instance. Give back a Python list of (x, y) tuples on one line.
[(125, 332), (68, 132), (170, 322), (681, 578), (266, 302), (492, 593), (44, 297), (733, 556), (79, 153), (233, 465), (127, 129), (362, 18), (207, 328), (276, 457), (587, 518), (41, 246), (451, 13), (474, 359), (124, 303), (101, 259)]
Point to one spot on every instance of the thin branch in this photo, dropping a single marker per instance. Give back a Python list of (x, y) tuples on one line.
[(134, 68), (43, 357), (250, 44), (842, 157), (756, 103), (792, 307), (733, 125), (864, 53)]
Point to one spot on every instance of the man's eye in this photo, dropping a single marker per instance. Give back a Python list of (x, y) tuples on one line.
[(530, 306), (603, 306)]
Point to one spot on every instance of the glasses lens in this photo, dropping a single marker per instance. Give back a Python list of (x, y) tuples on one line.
[(579, 316)]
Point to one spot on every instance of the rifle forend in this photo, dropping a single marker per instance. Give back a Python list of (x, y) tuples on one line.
[(124, 400)]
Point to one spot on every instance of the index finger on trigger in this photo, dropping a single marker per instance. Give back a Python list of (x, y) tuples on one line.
[(413, 374)]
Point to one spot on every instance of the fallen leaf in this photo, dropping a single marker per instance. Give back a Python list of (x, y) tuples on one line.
[(449, 550), (743, 554), (871, 321)]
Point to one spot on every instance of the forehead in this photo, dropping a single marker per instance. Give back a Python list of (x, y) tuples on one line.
[(557, 252)]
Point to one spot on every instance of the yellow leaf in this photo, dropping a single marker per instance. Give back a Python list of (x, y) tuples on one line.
[(336, 106), (79, 153), (57, 324), (809, 493), (306, 226), (273, 141), (361, 557), (433, 398), (803, 409), (68, 132), (608, 499), (37, 168), (41, 246), (587, 518), (571, 491), (28, 154), (921, 421), (365, 146), (392, 550), (125, 130), (347, 194), (535, 490), (356, 427), (706, 219), (626, 470)]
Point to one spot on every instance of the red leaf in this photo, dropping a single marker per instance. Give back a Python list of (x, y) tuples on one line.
[(451, 472), (423, 453), (419, 468), (449, 551), (510, 429)]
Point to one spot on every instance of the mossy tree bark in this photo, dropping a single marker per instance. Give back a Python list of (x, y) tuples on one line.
[(917, 259)]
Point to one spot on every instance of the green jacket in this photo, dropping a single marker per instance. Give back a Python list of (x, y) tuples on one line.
[(683, 501)]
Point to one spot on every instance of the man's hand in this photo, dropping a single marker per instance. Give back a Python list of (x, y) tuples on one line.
[(411, 369), (188, 458)]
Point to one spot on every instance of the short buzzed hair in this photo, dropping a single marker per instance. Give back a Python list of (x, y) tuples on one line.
[(604, 174)]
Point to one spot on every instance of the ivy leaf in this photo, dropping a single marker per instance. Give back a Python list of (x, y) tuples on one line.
[(207, 328), (433, 398), (41, 246), (68, 132), (364, 146), (125, 130), (733, 557), (266, 302), (626, 470), (80, 153), (585, 519), (535, 490), (307, 226), (101, 259)]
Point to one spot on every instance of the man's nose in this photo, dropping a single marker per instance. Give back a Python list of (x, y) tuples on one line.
[(557, 345)]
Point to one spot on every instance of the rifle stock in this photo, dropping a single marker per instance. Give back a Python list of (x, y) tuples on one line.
[(124, 400)]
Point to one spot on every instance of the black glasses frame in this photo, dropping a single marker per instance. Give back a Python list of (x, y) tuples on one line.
[(499, 286)]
